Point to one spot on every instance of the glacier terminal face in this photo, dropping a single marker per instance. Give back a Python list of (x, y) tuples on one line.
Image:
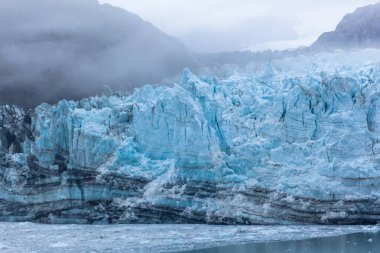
[(296, 143)]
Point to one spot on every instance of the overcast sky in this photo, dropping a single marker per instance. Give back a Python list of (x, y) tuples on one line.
[(227, 25)]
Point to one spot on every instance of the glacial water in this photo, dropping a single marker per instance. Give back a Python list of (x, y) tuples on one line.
[(352, 243), (39, 238)]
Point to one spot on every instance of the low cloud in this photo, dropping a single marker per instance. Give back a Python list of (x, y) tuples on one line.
[(241, 36), (51, 50), (213, 25)]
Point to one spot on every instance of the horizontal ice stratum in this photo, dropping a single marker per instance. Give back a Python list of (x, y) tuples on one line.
[(296, 141)]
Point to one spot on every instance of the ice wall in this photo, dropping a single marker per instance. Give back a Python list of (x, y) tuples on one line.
[(293, 143)]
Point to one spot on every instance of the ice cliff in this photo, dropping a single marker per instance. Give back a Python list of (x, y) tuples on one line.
[(297, 141)]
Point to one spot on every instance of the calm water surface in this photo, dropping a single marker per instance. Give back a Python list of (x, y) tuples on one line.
[(354, 243), (163, 238)]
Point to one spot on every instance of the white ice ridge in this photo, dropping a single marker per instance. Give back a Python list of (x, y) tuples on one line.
[(28, 237), (298, 142)]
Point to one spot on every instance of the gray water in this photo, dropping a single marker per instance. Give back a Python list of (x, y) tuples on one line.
[(44, 238), (353, 243)]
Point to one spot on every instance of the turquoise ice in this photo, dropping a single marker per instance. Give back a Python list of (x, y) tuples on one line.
[(295, 141)]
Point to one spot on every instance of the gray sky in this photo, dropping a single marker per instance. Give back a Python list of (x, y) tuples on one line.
[(227, 25)]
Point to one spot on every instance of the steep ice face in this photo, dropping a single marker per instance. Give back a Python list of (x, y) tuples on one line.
[(291, 144)]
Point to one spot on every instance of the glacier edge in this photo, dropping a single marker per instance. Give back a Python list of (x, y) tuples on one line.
[(286, 145)]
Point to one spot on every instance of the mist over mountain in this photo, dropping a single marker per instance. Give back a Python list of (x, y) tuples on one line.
[(51, 50), (70, 49), (359, 29)]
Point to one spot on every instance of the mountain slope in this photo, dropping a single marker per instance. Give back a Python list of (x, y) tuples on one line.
[(359, 29), (50, 50)]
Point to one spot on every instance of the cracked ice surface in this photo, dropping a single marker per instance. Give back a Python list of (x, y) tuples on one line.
[(28, 237), (297, 142)]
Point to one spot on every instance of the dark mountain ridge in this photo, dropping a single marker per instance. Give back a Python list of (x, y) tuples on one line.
[(360, 29)]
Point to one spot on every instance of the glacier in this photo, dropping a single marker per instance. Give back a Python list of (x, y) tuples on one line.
[(294, 141)]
